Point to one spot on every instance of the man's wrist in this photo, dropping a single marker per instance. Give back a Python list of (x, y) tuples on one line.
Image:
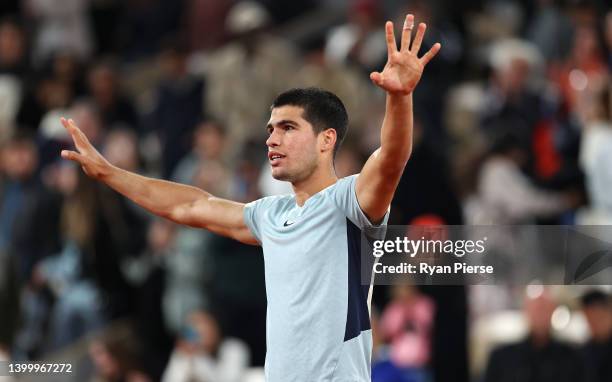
[(399, 100), (106, 172), (400, 96)]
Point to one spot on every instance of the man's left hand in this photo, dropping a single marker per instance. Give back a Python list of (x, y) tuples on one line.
[(404, 68)]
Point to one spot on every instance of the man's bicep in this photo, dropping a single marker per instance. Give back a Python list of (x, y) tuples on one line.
[(376, 185)]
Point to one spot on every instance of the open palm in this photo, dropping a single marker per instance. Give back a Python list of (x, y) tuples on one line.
[(404, 68)]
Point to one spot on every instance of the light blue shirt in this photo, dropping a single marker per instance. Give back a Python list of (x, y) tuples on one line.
[(318, 323)]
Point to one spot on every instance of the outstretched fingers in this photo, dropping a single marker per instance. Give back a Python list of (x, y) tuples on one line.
[(68, 126), (406, 32), (390, 35), (418, 39), (431, 53), (80, 140)]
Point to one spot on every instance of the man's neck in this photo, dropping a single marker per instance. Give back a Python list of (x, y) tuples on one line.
[(315, 183), (539, 340)]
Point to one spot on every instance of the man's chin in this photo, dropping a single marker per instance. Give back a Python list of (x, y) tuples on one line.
[(280, 175)]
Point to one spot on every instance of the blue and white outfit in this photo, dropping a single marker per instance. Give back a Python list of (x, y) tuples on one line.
[(318, 323)]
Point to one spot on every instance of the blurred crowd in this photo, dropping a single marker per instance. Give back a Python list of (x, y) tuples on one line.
[(513, 125)]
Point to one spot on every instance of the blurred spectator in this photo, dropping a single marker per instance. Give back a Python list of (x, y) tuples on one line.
[(28, 233), (121, 149), (23, 202), (115, 356), (539, 357), (189, 271), (255, 62), (148, 274), (407, 323), (584, 68), (361, 41), (550, 29), (202, 353), (204, 166), (178, 107), (190, 266), (596, 158), (204, 23), (597, 308), (103, 86), (513, 100), (85, 276), (245, 185), (506, 196), (99, 232), (47, 93), (89, 120), (13, 48), (63, 26), (68, 69), (238, 291)]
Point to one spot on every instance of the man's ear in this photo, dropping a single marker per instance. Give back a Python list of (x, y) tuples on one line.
[(328, 139)]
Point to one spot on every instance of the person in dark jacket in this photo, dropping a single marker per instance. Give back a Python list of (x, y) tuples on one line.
[(597, 308), (538, 357)]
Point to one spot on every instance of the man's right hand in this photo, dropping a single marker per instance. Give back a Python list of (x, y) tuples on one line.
[(92, 162)]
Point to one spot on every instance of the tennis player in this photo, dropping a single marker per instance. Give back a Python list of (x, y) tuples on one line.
[(318, 323)]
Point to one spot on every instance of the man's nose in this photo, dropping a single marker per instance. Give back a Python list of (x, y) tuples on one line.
[(273, 140)]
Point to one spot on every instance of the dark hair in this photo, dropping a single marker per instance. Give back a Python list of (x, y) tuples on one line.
[(212, 123), (322, 109), (506, 141), (595, 297)]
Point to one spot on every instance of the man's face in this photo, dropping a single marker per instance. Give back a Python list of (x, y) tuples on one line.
[(599, 319), (293, 147), (538, 312)]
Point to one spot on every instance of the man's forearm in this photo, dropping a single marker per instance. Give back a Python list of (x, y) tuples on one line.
[(178, 202), (158, 196), (396, 132)]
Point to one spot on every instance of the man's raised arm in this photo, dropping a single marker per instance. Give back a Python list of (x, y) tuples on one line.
[(177, 202), (380, 175)]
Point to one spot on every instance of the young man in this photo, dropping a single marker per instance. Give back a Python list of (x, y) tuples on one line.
[(318, 326)]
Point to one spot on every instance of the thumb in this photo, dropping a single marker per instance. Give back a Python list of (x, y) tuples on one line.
[(72, 155), (377, 78)]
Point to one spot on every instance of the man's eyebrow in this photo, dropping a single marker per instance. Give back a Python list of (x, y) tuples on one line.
[(283, 122)]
